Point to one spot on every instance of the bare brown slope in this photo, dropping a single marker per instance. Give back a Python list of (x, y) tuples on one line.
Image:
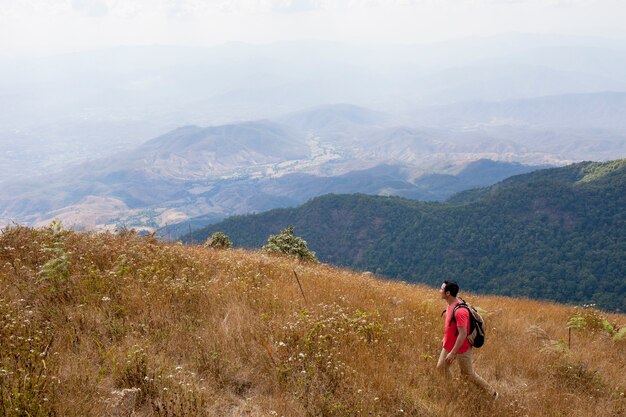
[(228, 333)]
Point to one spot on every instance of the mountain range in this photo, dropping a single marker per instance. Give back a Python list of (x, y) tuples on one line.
[(82, 106), (555, 234), (197, 175), (210, 173), (148, 137)]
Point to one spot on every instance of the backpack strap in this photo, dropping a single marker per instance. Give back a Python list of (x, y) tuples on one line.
[(461, 304)]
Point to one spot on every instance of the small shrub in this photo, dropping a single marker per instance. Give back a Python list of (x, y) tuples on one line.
[(575, 376), (136, 374), (57, 268), (620, 335), (576, 322), (590, 319), (287, 243), (608, 327), (54, 275), (218, 240)]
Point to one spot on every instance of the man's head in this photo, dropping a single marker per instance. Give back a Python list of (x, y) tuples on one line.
[(449, 289)]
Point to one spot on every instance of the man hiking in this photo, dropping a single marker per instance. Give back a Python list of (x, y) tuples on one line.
[(455, 343)]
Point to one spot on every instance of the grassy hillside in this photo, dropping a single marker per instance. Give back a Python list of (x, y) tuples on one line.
[(557, 234), (203, 332)]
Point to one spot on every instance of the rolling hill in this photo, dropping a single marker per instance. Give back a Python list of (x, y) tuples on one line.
[(554, 234), (216, 151), (194, 173), (95, 324)]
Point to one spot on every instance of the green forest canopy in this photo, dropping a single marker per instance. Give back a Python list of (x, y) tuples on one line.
[(557, 234)]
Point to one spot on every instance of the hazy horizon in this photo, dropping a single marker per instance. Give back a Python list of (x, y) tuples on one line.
[(429, 87), (41, 27)]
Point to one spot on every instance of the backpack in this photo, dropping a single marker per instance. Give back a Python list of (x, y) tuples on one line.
[(476, 332)]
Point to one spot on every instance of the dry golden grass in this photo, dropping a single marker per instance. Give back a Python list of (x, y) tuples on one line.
[(206, 332)]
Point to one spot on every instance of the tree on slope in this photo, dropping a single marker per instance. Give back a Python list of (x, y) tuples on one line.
[(287, 243), (218, 240)]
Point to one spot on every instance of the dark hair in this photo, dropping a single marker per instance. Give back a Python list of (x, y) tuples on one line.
[(452, 287)]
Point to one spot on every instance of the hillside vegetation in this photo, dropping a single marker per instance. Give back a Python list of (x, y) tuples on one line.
[(207, 332), (557, 234)]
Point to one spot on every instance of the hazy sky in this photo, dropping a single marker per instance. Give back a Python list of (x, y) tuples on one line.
[(49, 26)]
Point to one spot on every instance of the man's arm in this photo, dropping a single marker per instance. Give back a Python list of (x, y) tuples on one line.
[(457, 345)]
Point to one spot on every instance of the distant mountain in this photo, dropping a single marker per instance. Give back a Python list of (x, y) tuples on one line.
[(383, 119), (158, 176), (216, 171), (601, 110), (556, 234), (479, 173), (194, 152), (262, 137), (546, 130), (552, 129), (290, 190), (399, 144), (93, 104), (335, 118), (495, 81)]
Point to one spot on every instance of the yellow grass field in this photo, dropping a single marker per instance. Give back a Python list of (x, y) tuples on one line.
[(205, 332)]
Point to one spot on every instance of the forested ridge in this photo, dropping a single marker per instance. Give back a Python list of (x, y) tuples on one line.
[(556, 234)]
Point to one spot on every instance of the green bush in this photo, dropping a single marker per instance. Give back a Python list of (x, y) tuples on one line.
[(589, 319), (620, 335), (218, 240), (287, 243)]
